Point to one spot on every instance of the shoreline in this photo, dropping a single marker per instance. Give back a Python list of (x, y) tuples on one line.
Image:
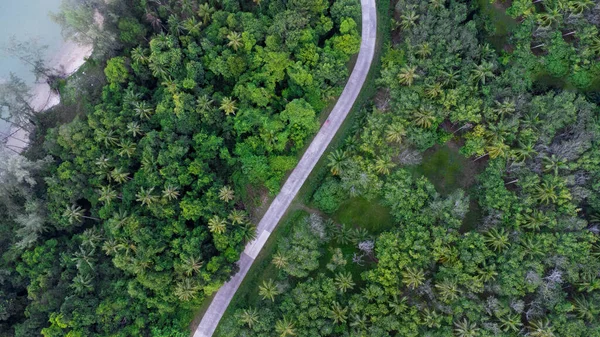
[(69, 58)]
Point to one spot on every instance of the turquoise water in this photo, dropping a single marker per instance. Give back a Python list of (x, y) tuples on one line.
[(27, 19)]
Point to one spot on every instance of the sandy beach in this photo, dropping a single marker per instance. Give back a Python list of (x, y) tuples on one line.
[(66, 61)]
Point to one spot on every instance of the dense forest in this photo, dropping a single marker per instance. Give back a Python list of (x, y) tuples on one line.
[(510, 89), (123, 220)]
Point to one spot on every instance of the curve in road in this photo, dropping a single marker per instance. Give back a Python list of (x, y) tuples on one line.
[(288, 192)]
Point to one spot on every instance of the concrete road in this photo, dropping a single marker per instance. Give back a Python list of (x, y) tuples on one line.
[(310, 158)]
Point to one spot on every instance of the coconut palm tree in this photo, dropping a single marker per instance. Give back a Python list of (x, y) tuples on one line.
[(540, 328), (127, 148), (436, 4), (204, 103), (423, 118), (84, 258), (134, 128), (280, 260), (170, 192), (424, 50), (228, 106), (510, 322), (191, 264), (186, 290), (409, 19), (75, 214), (496, 239), (146, 197), (531, 247), (205, 11), (248, 232), (268, 290), (139, 55), (464, 328), (249, 317), (107, 137), (237, 217), (285, 328), (450, 78), (523, 152), (359, 322), (336, 161), (235, 40), (102, 162), (447, 289), (504, 108), (407, 75), (433, 90), (82, 283), (413, 277), (142, 110), (398, 304), (226, 193), (553, 164), (497, 149), (482, 72), (586, 310), (344, 282), (383, 164), (431, 318), (107, 194), (217, 225), (110, 247), (546, 192), (577, 7), (395, 132), (550, 17), (338, 313), (192, 26), (119, 175)]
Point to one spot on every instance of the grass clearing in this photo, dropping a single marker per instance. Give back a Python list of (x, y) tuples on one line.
[(367, 214)]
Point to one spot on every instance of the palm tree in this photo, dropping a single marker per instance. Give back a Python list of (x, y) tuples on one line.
[(84, 258), (146, 197), (423, 118), (550, 17), (482, 72), (436, 4), (75, 214), (577, 7), (102, 162), (450, 77), (541, 328), (110, 246), (139, 55), (237, 217), (226, 193), (249, 317), (589, 282), (413, 277), (338, 313), (192, 26), (585, 309), (134, 128), (546, 192), (235, 40), (191, 264), (524, 152), (186, 290), (344, 282), (142, 110), (127, 148), (531, 247), (280, 260), (285, 328), (359, 322), (228, 105), (204, 103), (248, 232), (407, 75), (448, 290), (398, 304), (106, 136), (594, 45), (431, 318), (553, 164), (409, 19), (394, 133), (383, 165), (424, 50), (170, 192), (205, 11), (268, 290), (510, 322), (465, 328), (497, 149), (217, 225), (504, 108), (497, 240), (433, 90), (119, 175), (107, 194), (336, 161), (82, 283)]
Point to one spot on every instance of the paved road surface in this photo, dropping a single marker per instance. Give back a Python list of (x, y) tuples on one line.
[(310, 158)]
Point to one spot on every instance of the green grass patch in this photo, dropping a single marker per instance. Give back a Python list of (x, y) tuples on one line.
[(368, 214)]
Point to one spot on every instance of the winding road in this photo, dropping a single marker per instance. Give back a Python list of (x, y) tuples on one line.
[(288, 192)]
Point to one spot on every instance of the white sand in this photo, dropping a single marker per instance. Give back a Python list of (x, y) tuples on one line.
[(67, 60)]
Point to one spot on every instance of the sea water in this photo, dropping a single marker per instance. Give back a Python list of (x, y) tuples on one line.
[(26, 19)]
